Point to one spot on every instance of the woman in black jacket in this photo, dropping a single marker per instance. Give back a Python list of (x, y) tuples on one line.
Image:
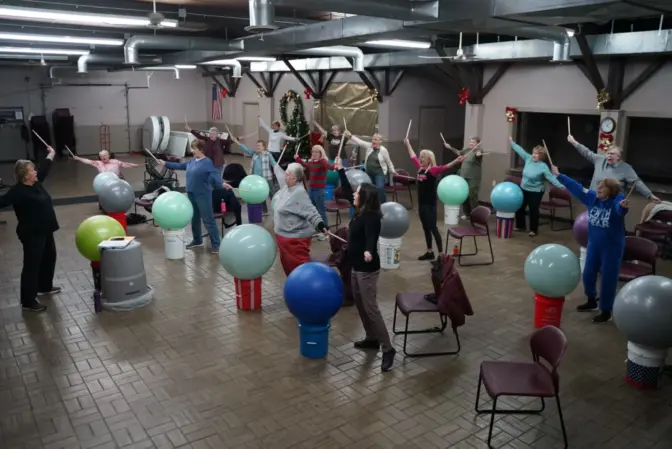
[(364, 230), (37, 224)]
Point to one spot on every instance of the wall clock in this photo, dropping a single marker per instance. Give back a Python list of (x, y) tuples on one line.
[(608, 125)]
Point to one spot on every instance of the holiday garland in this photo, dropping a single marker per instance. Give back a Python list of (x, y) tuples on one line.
[(296, 126)]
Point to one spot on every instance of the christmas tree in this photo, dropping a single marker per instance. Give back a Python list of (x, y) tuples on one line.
[(295, 126)]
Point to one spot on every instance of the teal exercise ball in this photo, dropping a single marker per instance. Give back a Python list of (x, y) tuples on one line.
[(332, 176), (247, 251), (506, 197), (172, 210), (254, 189), (552, 270), (453, 190), (101, 179)]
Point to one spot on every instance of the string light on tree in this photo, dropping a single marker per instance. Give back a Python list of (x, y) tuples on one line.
[(373, 94)]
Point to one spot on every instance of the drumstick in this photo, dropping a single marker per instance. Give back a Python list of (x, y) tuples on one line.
[(632, 188), (569, 126), (345, 124), (40, 137), (403, 176), (340, 146), (249, 135), (284, 148), (548, 153), (443, 139), (229, 131), (71, 153), (337, 237), (473, 149), (150, 153), (408, 130)]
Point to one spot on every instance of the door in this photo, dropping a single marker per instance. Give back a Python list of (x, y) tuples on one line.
[(432, 123), (250, 119)]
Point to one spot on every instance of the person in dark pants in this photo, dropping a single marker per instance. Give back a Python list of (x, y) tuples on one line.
[(428, 172), (471, 172), (535, 172), (363, 234), (36, 226), (227, 197)]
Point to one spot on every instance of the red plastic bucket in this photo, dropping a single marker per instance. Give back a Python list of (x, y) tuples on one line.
[(547, 311), (120, 217), (248, 294)]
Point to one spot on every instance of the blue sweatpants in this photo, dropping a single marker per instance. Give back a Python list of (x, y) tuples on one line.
[(317, 198), (606, 261), (202, 204)]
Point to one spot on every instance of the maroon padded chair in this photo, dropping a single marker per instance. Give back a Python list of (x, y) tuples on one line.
[(479, 228), (535, 379), (337, 205), (639, 258), (401, 183), (558, 199), (514, 179), (658, 230)]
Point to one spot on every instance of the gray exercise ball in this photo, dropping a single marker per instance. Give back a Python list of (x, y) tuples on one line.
[(396, 220), (103, 178), (643, 311), (357, 178), (116, 196)]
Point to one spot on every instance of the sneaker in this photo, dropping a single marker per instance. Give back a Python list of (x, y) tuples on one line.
[(53, 291), (194, 245), (214, 251), (603, 317), (367, 344), (464, 217), (532, 234), (35, 306), (429, 255), (589, 306), (388, 360)]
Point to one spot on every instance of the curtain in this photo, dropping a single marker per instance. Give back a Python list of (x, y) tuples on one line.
[(349, 101)]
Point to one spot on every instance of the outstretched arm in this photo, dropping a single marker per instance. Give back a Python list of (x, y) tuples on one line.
[(286, 137), (524, 155), (584, 195), (632, 178), (320, 129), (552, 179), (360, 142), (345, 185), (621, 205), (123, 164), (45, 166), (264, 125), (438, 169), (176, 165), (197, 134), (584, 151), (280, 176)]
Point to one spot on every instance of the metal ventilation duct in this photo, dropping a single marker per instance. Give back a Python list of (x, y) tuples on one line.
[(262, 16), (84, 61), (134, 43), (236, 67), (349, 52)]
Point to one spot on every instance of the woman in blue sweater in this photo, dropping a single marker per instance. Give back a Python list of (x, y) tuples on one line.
[(607, 208), (535, 172), (202, 178)]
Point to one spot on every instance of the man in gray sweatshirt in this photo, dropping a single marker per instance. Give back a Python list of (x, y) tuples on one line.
[(295, 218), (610, 165)]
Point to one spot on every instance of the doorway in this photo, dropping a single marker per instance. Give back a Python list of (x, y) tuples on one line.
[(251, 120)]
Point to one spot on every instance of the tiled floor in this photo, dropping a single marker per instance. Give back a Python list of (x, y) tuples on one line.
[(190, 371)]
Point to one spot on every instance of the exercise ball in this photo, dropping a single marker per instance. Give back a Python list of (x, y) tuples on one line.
[(94, 230), (172, 210), (247, 251), (453, 190), (552, 270), (101, 179), (313, 293), (506, 197), (580, 229), (116, 196), (356, 178), (332, 176), (643, 311), (254, 189), (395, 222)]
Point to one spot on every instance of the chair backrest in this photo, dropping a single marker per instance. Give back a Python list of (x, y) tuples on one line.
[(640, 249), (233, 174), (560, 194), (549, 344), (514, 179), (479, 217), (403, 179), (663, 215)]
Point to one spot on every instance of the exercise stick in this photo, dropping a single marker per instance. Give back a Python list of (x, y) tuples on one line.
[(408, 130), (336, 237), (40, 137), (569, 126), (443, 139), (632, 188), (354, 166), (340, 146), (153, 157), (71, 153), (548, 153), (345, 124)]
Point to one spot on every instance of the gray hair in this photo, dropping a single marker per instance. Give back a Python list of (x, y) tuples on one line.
[(213, 129), (297, 170), (475, 139)]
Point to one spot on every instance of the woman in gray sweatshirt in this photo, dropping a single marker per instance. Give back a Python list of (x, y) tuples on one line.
[(295, 218), (610, 165)]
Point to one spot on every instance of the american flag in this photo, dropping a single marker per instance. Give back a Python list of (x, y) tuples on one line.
[(216, 103)]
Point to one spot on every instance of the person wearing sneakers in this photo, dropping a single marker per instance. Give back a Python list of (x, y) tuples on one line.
[(317, 167), (470, 170), (36, 226), (607, 208), (202, 177)]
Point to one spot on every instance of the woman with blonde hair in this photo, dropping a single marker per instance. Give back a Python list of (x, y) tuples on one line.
[(535, 172), (36, 226), (377, 161), (106, 163), (317, 167), (427, 178)]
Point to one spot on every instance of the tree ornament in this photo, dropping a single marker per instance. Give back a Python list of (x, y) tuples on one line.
[(602, 98), (373, 94), (606, 140), (464, 95), (511, 114), (261, 92), (223, 93), (308, 93)]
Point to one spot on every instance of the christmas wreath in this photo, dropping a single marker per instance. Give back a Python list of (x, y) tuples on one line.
[(295, 126)]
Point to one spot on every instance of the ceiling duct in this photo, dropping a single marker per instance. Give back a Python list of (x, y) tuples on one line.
[(84, 61), (349, 52), (560, 37), (387, 9), (262, 17), (135, 43), (159, 69), (236, 67)]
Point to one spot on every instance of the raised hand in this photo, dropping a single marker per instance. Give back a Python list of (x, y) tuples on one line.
[(625, 204), (188, 128), (571, 139), (338, 163), (460, 159), (555, 170), (510, 139)]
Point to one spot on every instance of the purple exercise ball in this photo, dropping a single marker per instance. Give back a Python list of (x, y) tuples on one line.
[(580, 229)]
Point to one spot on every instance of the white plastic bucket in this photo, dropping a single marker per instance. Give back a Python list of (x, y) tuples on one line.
[(582, 257), (451, 215), (390, 254), (645, 356), (173, 240)]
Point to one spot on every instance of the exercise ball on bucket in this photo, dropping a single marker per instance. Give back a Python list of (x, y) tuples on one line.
[(553, 272), (254, 190), (116, 197), (101, 179), (643, 313), (314, 294), (394, 225), (173, 211), (356, 178), (580, 232), (94, 230), (247, 252), (453, 190), (506, 198)]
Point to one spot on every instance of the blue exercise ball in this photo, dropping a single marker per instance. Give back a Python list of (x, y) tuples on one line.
[(313, 293), (506, 197), (247, 251), (552, 270), (101, 179)]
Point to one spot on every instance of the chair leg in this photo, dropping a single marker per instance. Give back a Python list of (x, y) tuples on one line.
[(432, 330), (562, 421), (492, 420), (492, 254)]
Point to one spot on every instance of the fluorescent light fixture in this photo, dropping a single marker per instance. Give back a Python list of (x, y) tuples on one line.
[(398, 43), (43, 51), (78, 18), (254, 58), (33, 57), (185, 67), (570, 33), (61, 39)]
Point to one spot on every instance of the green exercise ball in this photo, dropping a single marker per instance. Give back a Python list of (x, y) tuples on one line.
[(94, 230), (453, 190), (254, 189), (172, 210), (247, 251)]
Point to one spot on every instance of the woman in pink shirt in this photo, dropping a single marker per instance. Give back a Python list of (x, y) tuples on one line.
[(106, 164)]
